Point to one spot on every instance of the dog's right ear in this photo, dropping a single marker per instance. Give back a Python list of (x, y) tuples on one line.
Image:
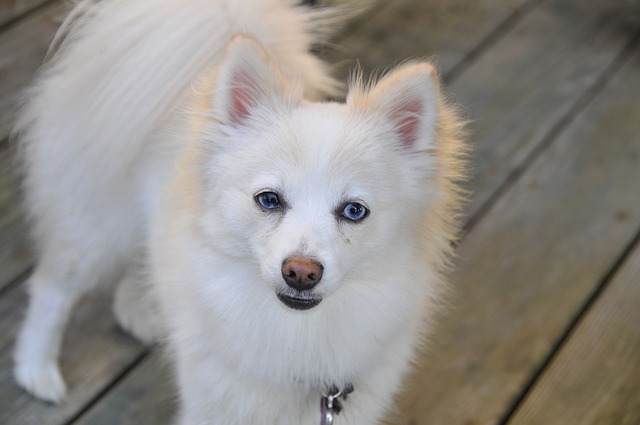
[(408, 98), (246, 79)]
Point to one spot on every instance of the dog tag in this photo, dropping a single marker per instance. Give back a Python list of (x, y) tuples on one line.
[(326, 410), (331, 404)]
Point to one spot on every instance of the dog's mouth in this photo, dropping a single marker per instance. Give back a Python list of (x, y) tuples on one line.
[(299, 300)]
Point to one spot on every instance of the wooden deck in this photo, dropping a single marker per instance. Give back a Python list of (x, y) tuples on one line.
[(545, 323)]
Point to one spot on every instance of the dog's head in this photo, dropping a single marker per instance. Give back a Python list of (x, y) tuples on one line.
[(311, 196)]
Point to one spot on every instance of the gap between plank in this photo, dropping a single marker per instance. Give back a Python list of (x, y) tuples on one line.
[(17, 281), (569, 330), (572, 326), (110, 386), (583, 101), (26, 15), (490, 40)]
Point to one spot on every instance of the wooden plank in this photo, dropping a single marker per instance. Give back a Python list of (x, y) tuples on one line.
[(414, 29), (532, 79), (95, 352), (146, 396), (12, 9), (595, 379), (22, 49), (15, 255), (531, 263)]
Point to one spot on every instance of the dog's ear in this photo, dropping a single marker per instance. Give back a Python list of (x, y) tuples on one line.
[(408, 96), (246, 79)]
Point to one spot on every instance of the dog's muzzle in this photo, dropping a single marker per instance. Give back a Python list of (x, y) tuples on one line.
[(301, 275), (299, 300)]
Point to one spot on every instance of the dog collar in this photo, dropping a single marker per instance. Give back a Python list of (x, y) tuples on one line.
[(331, 402)]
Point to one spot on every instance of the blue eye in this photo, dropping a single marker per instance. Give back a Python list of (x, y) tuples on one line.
[(354, 211), (268, 200)]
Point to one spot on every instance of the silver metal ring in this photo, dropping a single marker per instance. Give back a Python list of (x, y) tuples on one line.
[(336, 395)]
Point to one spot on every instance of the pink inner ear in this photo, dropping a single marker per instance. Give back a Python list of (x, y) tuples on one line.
[(242, 97), (408, 123)]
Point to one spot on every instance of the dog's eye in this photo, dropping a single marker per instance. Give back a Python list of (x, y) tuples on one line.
[(268, 200), (354, 211)]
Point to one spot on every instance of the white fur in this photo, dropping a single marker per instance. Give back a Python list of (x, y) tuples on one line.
[(101, 189)]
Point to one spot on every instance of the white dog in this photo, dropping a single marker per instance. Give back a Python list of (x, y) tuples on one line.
[(294, 249)]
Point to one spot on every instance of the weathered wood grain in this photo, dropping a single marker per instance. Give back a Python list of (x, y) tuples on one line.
[(145, 396), (11, 9), (595, 379), (533, 261), (22, 49), (446, 31), (532, 79), (95, 352), (15, 255)]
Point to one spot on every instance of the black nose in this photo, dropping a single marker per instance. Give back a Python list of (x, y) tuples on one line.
[(301, 273)]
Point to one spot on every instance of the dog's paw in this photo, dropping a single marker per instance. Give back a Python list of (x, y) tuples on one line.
[(42, 380)]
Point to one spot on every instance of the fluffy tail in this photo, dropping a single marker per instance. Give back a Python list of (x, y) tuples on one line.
[(326, 20), (121, 68)]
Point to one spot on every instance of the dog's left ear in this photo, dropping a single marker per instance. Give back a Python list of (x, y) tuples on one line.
[(408, 96), (246, 79)]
